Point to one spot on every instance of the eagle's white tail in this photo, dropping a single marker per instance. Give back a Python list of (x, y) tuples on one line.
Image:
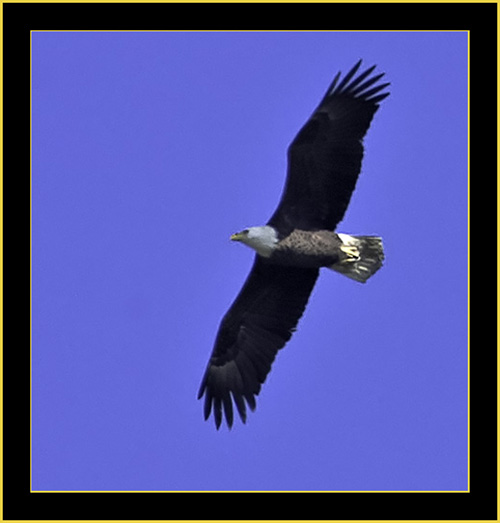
[(365, 257)]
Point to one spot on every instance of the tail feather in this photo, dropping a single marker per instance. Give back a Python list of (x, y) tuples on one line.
[(365, 257)]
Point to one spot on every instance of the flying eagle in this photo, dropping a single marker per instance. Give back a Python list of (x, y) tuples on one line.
[(324, 161)]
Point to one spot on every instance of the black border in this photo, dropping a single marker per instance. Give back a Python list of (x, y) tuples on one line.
[(19, 503)]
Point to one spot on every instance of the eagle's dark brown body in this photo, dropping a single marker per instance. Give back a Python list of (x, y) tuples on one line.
[(313, 249)]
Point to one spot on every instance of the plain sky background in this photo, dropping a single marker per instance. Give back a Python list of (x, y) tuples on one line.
[(148, 151)]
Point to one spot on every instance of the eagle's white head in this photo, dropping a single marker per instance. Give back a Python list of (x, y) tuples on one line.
[(261, 239)]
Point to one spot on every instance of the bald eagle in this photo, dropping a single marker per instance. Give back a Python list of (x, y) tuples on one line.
[(324, 161)]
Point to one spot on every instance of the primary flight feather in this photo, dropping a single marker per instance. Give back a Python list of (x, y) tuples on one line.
[(324, 162)]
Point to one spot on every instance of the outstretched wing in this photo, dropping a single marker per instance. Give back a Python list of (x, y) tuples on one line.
[(324, 159), (259, 323)]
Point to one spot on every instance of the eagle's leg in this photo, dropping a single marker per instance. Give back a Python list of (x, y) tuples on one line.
[(351, 251)]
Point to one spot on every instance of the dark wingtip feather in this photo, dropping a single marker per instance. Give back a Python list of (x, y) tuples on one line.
[(379, 98), (240, 405), (207, 406), (201, 391), (251, 401), (228, 410), (360, 78), (356, 86), (361, 88), (331, 87), (217, 404), (347, 78), (368, 94)]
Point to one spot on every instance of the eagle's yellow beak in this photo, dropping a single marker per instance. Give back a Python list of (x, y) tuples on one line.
[(236, 237)]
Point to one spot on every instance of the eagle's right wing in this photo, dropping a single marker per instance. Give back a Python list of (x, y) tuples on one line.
[(259, 323)]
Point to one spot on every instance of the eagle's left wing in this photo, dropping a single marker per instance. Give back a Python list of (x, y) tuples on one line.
[(324, 159)]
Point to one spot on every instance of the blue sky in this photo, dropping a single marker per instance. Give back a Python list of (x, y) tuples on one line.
[(148, 151)]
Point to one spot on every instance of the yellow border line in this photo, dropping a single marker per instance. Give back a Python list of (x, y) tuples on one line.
[(256, 491), (249, 1)]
